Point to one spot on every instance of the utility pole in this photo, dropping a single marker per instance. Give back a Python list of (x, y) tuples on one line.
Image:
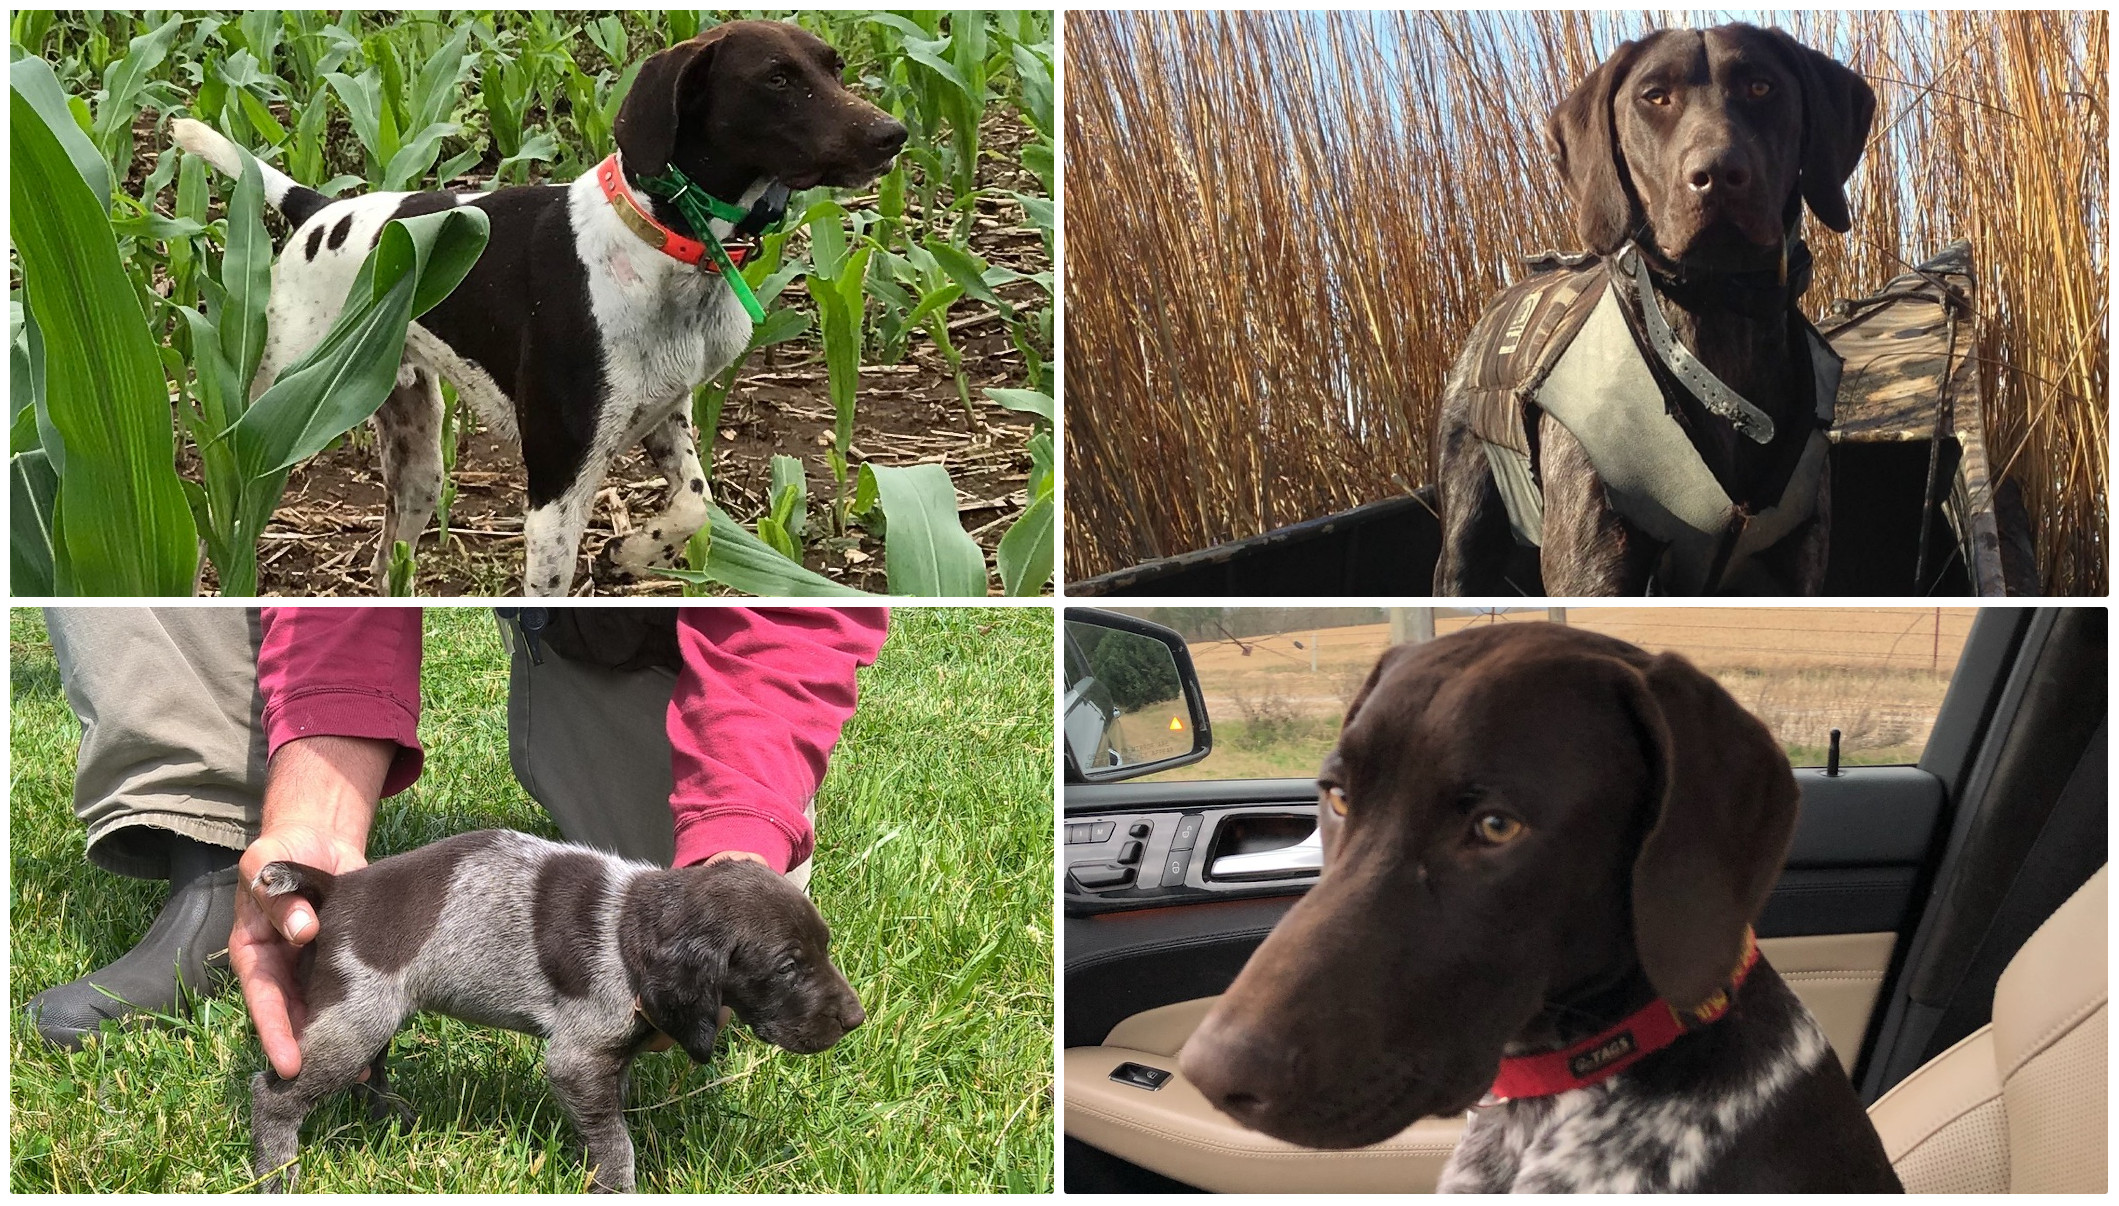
[(1410, 625)]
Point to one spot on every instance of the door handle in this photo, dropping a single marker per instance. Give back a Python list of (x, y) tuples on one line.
[(1305, 855)]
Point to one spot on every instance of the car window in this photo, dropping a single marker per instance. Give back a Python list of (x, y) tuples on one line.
[(1277, 680)]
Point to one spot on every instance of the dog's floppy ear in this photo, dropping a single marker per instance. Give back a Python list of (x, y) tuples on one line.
[(677, 962), (1584, 142), (1727, 812), (646, 129), (1838, 108)]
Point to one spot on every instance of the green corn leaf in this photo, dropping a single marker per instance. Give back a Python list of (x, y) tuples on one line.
[(458, 164), (434, 91), (1024, 556), (32, 79), (1027, 401), (790, 495), (246, 275), (774, 534), (122, 84), (261, 118), (349, 373), (403, 571), (410, 164), (154, 226), (362, 96), (32, 491), (120, 522), (739, 560), (967, 270), (1034, 71), (925, 548)]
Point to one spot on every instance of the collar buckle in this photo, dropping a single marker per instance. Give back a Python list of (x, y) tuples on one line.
[(700, 209)]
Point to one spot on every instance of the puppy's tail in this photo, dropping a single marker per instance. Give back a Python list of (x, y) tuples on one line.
[(291, 199), (296, 879)]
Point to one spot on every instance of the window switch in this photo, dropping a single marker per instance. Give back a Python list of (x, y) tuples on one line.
[(1140, 1076), (1187, 833), (1174, 867)]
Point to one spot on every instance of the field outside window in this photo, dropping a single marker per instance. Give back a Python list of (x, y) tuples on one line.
[(1278, 680)]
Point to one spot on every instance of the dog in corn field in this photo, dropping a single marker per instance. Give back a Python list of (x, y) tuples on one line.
[(597, 305)]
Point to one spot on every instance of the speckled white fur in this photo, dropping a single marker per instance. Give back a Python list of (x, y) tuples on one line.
[(1568, 1143)]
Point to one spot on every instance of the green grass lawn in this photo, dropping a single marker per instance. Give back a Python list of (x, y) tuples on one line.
[(933, 866)]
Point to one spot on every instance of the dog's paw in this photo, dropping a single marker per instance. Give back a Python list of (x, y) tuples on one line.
[(632, 555)]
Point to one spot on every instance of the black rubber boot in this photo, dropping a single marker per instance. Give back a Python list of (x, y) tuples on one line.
[(186, 944)]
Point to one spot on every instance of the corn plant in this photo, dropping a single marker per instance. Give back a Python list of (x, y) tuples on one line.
[(100, 477)]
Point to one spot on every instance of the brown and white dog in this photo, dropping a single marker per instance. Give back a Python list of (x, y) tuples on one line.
[(574, 334), (602, 956)]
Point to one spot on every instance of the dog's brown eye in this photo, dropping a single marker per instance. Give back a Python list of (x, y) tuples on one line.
[(1496, 829), (1760, 89), (1336, 797), (779, 79), (1656, 96)]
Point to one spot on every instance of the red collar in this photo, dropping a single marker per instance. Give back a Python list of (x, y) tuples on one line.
[(1604, 1054), (638, 220)]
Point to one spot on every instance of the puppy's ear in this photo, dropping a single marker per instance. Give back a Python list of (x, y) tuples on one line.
[(1727, 804), (1584, 143), (677, 963), (680, 991), (1838, 109), (646, 129)]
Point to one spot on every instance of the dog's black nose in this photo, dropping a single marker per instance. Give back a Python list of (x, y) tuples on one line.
[(888, 136), (853, 1015)]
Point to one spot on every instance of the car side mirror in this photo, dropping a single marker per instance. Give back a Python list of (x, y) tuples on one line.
[(1133, 704)]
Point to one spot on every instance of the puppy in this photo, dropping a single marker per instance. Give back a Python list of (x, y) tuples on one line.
[(584, 326), (598, 954)]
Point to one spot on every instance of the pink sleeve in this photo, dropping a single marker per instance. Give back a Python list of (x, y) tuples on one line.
[(344, 672), (758, 706)]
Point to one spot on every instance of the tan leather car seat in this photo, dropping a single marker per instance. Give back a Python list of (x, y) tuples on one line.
[(2020, 1105)]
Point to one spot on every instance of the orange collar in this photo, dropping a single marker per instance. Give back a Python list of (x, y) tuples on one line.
[(638, 220), (1604, 1054)]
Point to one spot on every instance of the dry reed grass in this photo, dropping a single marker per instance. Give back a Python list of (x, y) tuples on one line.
[(1280, 227)]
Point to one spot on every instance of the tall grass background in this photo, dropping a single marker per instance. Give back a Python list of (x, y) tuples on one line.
[(1281, 226)]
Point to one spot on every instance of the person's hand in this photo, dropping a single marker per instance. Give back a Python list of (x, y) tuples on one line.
[(320, 796), (269, 933)]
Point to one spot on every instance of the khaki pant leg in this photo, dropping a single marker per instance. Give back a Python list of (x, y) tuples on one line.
[(172, 732)]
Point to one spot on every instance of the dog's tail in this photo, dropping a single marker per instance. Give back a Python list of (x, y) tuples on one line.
[(296, 879), (291, 199)]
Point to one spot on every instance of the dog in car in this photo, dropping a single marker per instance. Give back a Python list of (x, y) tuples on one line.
[(1544, 852)]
